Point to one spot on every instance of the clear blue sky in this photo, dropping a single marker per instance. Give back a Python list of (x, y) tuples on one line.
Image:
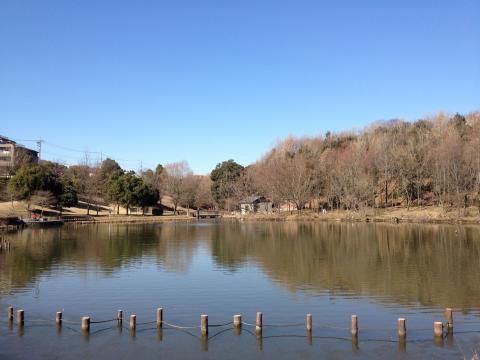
[(205, 81)]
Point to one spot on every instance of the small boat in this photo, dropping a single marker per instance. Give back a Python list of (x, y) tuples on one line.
[(42, 223)]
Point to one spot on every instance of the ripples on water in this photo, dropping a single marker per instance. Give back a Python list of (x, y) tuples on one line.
[(379, 271)]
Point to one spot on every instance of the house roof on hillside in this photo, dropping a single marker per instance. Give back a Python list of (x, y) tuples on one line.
[(6, 140)]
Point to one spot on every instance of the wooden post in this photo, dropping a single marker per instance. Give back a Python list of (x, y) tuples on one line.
[(159, 317), (309, 322), (259, 323), (237, 321), (120, 317), (20, 317), (133, 322), (354, 325), (449, 319), (10, 313), (86, 324), (204, 324), (58, 318), (438, 328), (402, 327)]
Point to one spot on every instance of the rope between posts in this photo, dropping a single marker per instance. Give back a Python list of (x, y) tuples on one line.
[(220, 325), (102, 321), (181, 327), (320, 326), (284, 325), (146, 323)]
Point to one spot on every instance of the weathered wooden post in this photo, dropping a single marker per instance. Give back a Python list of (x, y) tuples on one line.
[(120, 317), (133, 322), (204, 324), (438, 328), (354, 325), (354, 331), (159, 318), (237, 325), (402, 327), (237, 321), (10, 313), (259, 323), (402, 344), (86, 324), (309, 322), (20, 317), (58, 318), (449, 319)]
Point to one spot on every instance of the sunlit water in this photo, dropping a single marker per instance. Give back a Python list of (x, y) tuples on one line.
[(379, 272)]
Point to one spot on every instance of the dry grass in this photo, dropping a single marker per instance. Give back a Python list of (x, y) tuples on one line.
[(19, 208), (427, 214)]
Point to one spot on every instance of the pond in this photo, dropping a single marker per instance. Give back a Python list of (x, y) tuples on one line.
[(380, 272)]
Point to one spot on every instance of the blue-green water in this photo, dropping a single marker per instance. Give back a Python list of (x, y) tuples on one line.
[(285, 270)]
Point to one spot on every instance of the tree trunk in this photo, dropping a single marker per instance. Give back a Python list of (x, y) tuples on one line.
[(386, 193)]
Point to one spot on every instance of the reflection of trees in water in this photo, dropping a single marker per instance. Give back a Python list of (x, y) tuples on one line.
[(176, 247), (105, 247), (426, 264)]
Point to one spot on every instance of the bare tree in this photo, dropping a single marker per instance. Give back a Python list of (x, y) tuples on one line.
[(174, 180)]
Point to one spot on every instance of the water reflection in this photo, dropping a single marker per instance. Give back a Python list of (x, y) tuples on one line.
[(427, 265)]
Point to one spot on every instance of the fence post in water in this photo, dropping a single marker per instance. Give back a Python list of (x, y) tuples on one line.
[(438, 328), (259, 323), (204, 324), (20, 317), (58, 318), (237, 321), (309, 322), (86, 324), (159, 317), (354, 325), (10, 313), (402, 327), (449, 319), (133, 322), (120, 317)]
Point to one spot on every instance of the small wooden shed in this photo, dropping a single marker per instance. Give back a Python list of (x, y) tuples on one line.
[(255, 204)]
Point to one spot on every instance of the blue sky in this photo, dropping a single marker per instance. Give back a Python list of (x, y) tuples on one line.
[(205, 81)]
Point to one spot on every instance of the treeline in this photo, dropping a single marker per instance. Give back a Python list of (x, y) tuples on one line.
[(50, 184), (433, 161)]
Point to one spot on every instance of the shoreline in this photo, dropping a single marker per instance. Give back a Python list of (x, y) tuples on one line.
[(425, 215), (132, 219)]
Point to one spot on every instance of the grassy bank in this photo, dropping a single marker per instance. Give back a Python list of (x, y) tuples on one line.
[(428, 214)]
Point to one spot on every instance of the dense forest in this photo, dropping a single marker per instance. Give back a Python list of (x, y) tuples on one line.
[(431, 161), (434, 161)]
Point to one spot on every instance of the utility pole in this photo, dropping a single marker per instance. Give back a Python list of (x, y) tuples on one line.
[(39, 148)]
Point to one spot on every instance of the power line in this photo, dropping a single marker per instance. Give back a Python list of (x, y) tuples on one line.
[(66, 148), (74, 150)]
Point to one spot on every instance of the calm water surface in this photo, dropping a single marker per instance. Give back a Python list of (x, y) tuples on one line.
[(379, 272)]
